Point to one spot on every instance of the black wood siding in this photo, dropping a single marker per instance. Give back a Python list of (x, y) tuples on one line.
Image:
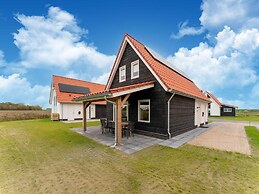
[(181, 114), (100, 111), (109, 111), (233, 113), (144, 74), (157, 95), (158, 110)]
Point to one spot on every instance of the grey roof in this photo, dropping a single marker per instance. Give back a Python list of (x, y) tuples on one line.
[(73, 89), (165, 62)]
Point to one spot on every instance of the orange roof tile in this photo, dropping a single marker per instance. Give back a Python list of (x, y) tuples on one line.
[(66, 97), (170, 78)]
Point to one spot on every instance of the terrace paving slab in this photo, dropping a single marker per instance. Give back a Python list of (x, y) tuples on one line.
[(138, 142)]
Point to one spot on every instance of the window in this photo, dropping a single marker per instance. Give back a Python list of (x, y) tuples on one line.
[(227, 109), (144, 111), (122, 74), (135, 69), (124, 112)]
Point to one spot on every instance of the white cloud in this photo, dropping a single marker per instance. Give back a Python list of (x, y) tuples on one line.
[(224, 65), (238, 103), (102, 79), (56, 40), (54, 43), (14, 88), (216, 15), (228, 59), (237, 14), (185, 30)]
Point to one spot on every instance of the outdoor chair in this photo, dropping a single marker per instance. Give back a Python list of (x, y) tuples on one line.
[(104, 125), (111, 126), (130, 129)]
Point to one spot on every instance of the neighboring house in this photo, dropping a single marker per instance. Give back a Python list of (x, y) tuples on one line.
[(159, 98), (62, 92), (216, 108)]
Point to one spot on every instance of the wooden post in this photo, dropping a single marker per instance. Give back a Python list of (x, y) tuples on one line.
[(118, 119), (85, 105)]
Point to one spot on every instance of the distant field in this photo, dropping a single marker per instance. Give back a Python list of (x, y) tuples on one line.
[(242, 115), (252, 112), (12, 115)]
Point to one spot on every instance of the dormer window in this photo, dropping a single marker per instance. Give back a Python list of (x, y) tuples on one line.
[(122, 74), (135, 69)]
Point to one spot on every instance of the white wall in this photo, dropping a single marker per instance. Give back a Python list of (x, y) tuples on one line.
[(70, 111), (201, 112), (53, 102), (214, 108)]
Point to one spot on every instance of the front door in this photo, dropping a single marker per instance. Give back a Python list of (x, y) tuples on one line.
[(92, 111)]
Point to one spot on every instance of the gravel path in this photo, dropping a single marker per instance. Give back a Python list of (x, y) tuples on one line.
[(227, 136)]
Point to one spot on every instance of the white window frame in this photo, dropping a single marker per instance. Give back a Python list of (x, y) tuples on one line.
[(120, 69), (228, 109), (139, 101), (132, 65)]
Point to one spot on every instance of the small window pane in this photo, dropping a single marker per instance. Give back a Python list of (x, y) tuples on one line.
[(144, 108), (135, 69), (122, 73), (227, 109)]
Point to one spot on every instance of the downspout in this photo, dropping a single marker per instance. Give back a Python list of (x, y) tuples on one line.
[(115, 117), (168, 115)]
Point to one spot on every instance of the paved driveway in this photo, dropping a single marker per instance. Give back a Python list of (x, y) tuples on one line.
[(228, 136)]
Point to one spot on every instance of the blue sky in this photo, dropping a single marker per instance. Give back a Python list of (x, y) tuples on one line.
[(80, 39)]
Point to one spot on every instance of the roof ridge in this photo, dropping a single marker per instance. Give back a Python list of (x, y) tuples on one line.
[(77, 79)]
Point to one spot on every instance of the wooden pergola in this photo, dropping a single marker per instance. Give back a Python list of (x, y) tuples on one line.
[(116, 96)]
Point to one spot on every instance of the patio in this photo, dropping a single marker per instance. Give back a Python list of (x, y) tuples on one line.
[(139, 142)]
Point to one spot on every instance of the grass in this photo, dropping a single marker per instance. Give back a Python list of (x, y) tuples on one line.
[(40, 156), (13, 115), (253, 135), (242, 115)]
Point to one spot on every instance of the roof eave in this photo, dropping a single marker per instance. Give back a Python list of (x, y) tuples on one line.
[(186, 95), (94, 97)]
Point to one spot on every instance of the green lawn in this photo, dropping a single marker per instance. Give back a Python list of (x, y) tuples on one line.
[(253, 135), (40, 156)]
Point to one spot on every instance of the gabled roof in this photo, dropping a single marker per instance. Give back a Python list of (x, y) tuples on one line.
[(170, 78), (67, 97), (214, 98)]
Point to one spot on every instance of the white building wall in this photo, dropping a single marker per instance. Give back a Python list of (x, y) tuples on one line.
[(214, 108), (201, 112), (53, 102), (71, 111)]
